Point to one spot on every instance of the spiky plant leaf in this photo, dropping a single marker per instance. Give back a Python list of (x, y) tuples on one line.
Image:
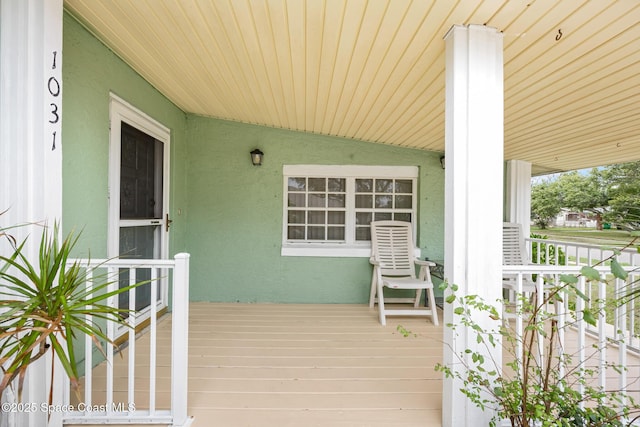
[(49, 304)]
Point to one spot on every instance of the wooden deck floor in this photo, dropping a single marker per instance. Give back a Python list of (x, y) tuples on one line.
[(272, 365), (312, 365), (264, 365)]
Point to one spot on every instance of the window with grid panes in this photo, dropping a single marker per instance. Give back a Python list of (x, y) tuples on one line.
[(316, 209), (381, 199), (328, 209)]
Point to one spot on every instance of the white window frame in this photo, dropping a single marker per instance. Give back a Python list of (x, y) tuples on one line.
[(351, 247)]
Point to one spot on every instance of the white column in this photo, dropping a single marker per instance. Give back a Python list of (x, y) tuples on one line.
[(473, 192), (31, 110), (30, 123), (518, 194)]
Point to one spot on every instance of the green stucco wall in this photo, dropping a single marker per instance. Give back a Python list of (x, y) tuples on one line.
[(230, 211), (235, 213), (90, 72)]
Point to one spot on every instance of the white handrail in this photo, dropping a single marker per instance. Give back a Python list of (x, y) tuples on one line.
[(109, 411)]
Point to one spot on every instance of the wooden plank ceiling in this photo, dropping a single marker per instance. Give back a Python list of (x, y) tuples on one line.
[(374, 70)]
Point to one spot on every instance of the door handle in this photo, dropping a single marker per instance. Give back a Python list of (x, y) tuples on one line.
[(167, 223)]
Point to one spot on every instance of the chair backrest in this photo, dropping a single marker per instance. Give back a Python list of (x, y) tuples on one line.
[(392, 247), (514, 251)]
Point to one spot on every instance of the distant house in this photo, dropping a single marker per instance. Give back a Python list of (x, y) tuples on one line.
[(569, 218)]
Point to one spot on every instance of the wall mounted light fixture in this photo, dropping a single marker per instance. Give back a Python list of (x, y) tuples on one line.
[(442, 161), (256, 157)]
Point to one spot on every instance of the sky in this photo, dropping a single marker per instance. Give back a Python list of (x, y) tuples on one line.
[(554, 176)]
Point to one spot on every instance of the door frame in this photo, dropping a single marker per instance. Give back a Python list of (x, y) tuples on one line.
[(121, 111)]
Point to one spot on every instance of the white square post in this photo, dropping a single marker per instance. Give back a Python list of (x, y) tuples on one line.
[(473, 193), (30, 146), (518, 194)]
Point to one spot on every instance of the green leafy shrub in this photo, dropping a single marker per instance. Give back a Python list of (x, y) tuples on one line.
[(536, 388), (540, 250)]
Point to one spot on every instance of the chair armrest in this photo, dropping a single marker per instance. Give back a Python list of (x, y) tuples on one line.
[(425, 263), (425, 269), (373, 261)]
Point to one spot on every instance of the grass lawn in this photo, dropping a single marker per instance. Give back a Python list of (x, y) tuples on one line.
[(586, 235)]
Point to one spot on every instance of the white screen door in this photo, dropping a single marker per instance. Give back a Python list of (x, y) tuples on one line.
[(138, 199)]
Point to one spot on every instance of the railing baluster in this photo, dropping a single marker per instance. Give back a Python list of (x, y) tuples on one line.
[(631, 316), (132, 341), (547, 252), (580, 306), (622, 343), (616, 317), (561, 311), (519, 323), (88, 348), (112, 302), (602, 334), (152, 346), (540, 302), (631, 287)]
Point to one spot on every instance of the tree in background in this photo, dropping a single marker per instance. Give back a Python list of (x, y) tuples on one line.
[(584, 193), (545, 203), (611, 193), (624, 194)]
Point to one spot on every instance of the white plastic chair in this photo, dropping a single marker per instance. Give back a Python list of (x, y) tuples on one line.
[(394, 267), (514, 252)]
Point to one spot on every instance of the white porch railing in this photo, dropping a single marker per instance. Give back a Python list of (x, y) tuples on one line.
[(556, 252), (611, 348), (139, 407)]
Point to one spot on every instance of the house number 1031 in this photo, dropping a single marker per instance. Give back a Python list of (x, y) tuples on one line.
[(53, 85)]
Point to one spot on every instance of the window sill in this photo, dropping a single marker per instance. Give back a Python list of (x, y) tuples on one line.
[(328, 250)]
